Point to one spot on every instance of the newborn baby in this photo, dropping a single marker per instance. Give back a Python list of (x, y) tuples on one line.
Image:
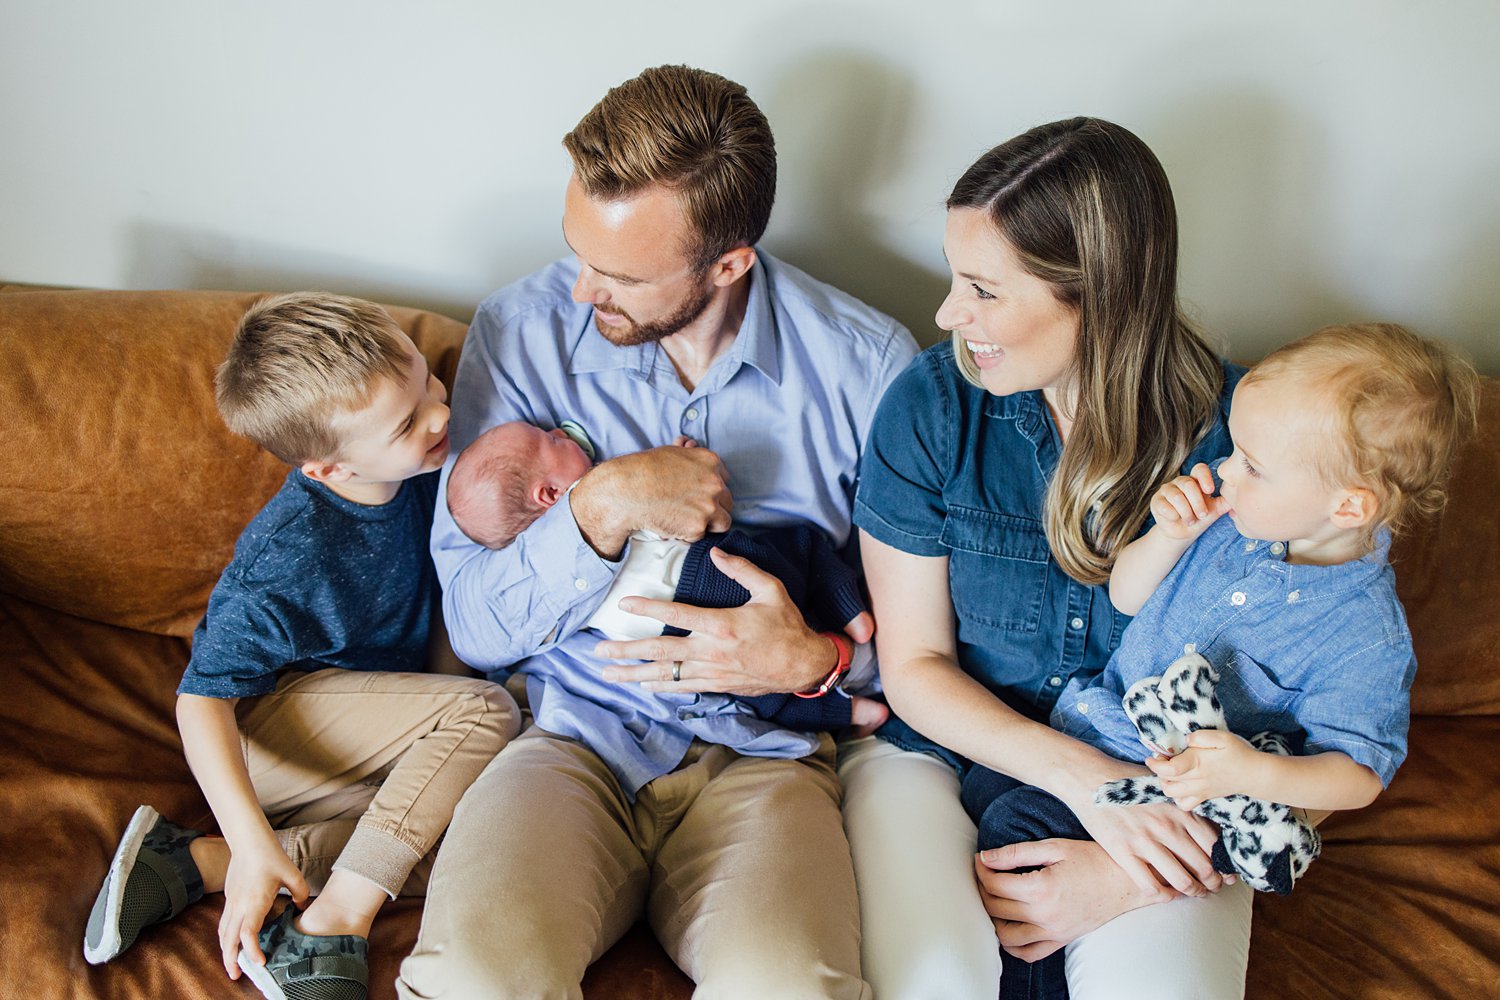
[(514, 472)]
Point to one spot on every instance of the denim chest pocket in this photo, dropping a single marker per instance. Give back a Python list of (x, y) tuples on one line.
[(997, 568), (1253, 699)]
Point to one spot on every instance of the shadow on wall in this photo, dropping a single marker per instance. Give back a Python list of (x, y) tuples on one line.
[(173, 257), (1249, 179), (1257, 199), (1472, 286), (841, 147)]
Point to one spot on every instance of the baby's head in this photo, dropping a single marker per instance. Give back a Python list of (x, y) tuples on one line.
[(1351, 429), (508, 478)]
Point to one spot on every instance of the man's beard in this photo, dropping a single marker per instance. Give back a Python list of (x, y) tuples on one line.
[(634, 334)]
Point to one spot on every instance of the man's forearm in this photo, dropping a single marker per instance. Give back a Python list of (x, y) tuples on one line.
[(596, 517)]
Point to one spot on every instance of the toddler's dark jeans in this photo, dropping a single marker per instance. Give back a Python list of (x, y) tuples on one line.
[(1009, 812)]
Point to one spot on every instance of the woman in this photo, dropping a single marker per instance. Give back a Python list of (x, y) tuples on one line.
[(1004, 472)]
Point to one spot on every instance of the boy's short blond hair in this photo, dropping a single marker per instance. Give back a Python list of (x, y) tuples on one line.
[(1397, 408), (299, 360)]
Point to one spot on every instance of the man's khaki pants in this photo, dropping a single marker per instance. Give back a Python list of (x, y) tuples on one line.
[(740, 864), (361, 770)]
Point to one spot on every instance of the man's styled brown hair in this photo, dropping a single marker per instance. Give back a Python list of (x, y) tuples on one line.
[(694, 132), (298, 360)]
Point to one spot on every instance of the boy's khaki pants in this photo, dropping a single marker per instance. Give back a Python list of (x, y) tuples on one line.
[(360, 770)]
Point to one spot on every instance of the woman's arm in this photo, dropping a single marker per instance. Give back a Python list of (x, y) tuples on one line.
[(919, 670), (927, 688)]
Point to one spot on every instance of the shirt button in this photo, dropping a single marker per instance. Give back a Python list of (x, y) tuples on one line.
[(1292, 597), (1076, 623), (580, 584), (1237, 598), (1083, 708), (1277, 548), (1249, 545), (1055, 681), (691, 413)]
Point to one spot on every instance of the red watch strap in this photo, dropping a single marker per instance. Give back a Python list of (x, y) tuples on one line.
[(845, 653)]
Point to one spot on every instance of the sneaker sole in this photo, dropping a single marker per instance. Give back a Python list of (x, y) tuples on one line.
[(105, 916), (261, 977)]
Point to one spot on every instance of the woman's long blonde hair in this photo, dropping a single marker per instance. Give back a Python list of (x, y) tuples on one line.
[(1087, 208)]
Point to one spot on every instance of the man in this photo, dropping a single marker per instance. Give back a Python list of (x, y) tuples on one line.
[(722, 828)]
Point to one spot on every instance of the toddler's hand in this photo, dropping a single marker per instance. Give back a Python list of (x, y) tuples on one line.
[(683, 441), (1185, 507), (1216, 763)]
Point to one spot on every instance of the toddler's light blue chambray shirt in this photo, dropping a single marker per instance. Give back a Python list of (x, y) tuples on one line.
[(787, 408), (955, 471), (1318, 653)]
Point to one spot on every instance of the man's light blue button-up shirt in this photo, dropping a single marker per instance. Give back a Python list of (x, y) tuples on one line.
[(787, 408)]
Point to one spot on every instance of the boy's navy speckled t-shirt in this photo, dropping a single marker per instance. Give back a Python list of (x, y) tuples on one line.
[(319, 581)]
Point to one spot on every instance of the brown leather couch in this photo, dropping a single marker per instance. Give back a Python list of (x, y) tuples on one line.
[(121, 494)]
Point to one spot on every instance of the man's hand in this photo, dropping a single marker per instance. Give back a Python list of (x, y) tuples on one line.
[(677, 492), (1075, 889), (254, 878), (1185, 507), (762, 647), (1216, 763)]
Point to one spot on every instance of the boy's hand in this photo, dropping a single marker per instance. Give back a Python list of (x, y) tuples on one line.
[(1185, 507), (1216, 763), (254, 878)]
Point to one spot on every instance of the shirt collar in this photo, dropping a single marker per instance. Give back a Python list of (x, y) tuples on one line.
[(1308, 579), (755, 344)]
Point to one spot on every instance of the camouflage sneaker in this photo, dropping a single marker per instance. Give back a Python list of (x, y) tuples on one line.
[(151, 878), (308, 966)]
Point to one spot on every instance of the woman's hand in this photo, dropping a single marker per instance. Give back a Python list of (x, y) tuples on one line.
[(1075, 889), (254, 878), (1156, 844)]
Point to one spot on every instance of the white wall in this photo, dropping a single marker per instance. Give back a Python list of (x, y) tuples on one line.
[(1332, 160)]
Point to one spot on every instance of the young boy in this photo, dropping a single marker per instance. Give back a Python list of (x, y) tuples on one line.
[(1340, 439), (307, 740), (512, 473)]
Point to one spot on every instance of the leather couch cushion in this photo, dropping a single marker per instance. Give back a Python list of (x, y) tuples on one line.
[(1449, 583), (121, 491)]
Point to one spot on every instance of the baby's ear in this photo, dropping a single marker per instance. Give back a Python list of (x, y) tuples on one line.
[(1356, 508), (544, 495)]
